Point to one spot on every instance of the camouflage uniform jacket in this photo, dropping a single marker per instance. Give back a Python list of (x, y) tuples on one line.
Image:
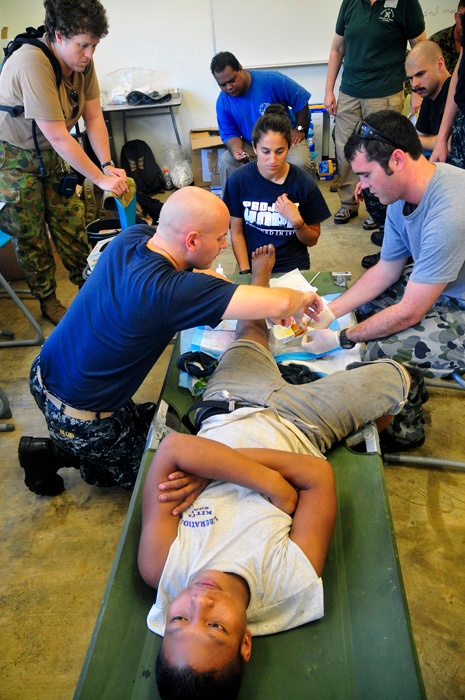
[(445, 39)]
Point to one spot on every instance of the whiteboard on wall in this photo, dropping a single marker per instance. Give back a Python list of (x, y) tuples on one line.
[(265, 34)]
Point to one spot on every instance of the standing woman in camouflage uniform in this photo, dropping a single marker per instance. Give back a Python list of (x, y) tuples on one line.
[(32, 194)]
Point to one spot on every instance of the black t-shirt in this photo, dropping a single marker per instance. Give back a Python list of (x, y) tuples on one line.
[(431, 111)]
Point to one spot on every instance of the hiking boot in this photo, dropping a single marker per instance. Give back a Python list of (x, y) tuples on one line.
[(333, 185), (344, 214), (36, 457), (52, 309)]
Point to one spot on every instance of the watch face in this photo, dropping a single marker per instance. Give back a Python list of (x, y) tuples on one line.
[(299, 128)]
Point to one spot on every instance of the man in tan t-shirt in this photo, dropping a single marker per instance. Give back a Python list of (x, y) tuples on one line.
[(31, 174)]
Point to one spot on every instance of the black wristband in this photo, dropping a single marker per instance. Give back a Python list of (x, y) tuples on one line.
[(246, 272), (109, 162)]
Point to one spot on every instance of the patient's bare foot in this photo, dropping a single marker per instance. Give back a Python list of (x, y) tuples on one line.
[(263, 260)]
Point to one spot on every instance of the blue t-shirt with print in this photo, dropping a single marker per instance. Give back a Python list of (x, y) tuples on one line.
[(251, 197)]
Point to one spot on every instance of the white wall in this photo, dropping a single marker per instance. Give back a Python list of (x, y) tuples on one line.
[(175, 38)]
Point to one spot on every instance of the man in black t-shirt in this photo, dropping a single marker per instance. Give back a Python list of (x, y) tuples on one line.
[(429, 77), (426, 70)]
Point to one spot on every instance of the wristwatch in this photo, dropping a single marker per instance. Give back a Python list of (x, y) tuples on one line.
[(344, 341), (109, 162), (300, 128)]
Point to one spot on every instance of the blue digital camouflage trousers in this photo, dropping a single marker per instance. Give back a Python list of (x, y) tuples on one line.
[(457, 145), (434, 347), (109, 450), (33, 202)]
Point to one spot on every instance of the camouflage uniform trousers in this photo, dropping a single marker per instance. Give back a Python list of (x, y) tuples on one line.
[(457, 145), (32, 201), (109, 450), (434, 347)]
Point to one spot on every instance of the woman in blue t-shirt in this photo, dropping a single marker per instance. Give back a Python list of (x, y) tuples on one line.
[(273, 201)]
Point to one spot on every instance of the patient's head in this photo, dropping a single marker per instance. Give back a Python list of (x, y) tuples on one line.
[(206, 638)]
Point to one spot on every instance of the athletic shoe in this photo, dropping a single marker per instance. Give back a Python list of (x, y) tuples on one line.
[(369, 224), (344, 215)]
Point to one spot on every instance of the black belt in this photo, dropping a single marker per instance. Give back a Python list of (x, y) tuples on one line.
[(206, 409)]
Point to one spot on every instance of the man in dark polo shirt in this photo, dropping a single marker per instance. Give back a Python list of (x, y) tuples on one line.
[(371, 39)]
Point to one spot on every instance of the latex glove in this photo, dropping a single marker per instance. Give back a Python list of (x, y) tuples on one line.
[(326, 317), (318, 342)]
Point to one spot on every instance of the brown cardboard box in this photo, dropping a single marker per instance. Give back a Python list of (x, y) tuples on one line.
[(9, 266), (206, 147)]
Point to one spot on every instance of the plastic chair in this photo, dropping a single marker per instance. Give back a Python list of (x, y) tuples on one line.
[(457, 382)]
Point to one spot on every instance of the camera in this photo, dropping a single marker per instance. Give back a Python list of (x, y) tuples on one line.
[(68, 184)]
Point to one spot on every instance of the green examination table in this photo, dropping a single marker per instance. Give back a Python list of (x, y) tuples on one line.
[(362, 648)]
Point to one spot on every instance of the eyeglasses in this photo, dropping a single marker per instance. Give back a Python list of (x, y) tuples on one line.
[(365, 131), (75, 98)]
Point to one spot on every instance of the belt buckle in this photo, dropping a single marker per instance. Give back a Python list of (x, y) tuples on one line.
[(231, 402)]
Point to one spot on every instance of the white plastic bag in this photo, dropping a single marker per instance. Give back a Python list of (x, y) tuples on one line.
[(180, 168), (116, 86)]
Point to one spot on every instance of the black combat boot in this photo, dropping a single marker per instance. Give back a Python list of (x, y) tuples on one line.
[(40, 461)]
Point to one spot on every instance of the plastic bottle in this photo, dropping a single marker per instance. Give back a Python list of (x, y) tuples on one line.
[(167, 179), (310, 143), (220, 270)]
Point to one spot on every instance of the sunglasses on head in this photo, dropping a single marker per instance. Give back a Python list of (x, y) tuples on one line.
[(365, 131), (75, 98)]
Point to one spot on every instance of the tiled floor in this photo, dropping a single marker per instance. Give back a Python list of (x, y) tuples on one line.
[(56, 553)]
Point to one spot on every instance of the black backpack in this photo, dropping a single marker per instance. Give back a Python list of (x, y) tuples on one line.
[(31, 36), (139, 163)]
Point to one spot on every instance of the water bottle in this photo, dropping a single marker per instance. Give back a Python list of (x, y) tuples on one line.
[(219, 269), (310, 142), (167, 179)]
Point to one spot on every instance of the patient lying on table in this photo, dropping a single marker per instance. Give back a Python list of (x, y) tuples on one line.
[(238, 519)]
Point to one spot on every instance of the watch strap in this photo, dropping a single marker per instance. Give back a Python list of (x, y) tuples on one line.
[(344, 341)]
